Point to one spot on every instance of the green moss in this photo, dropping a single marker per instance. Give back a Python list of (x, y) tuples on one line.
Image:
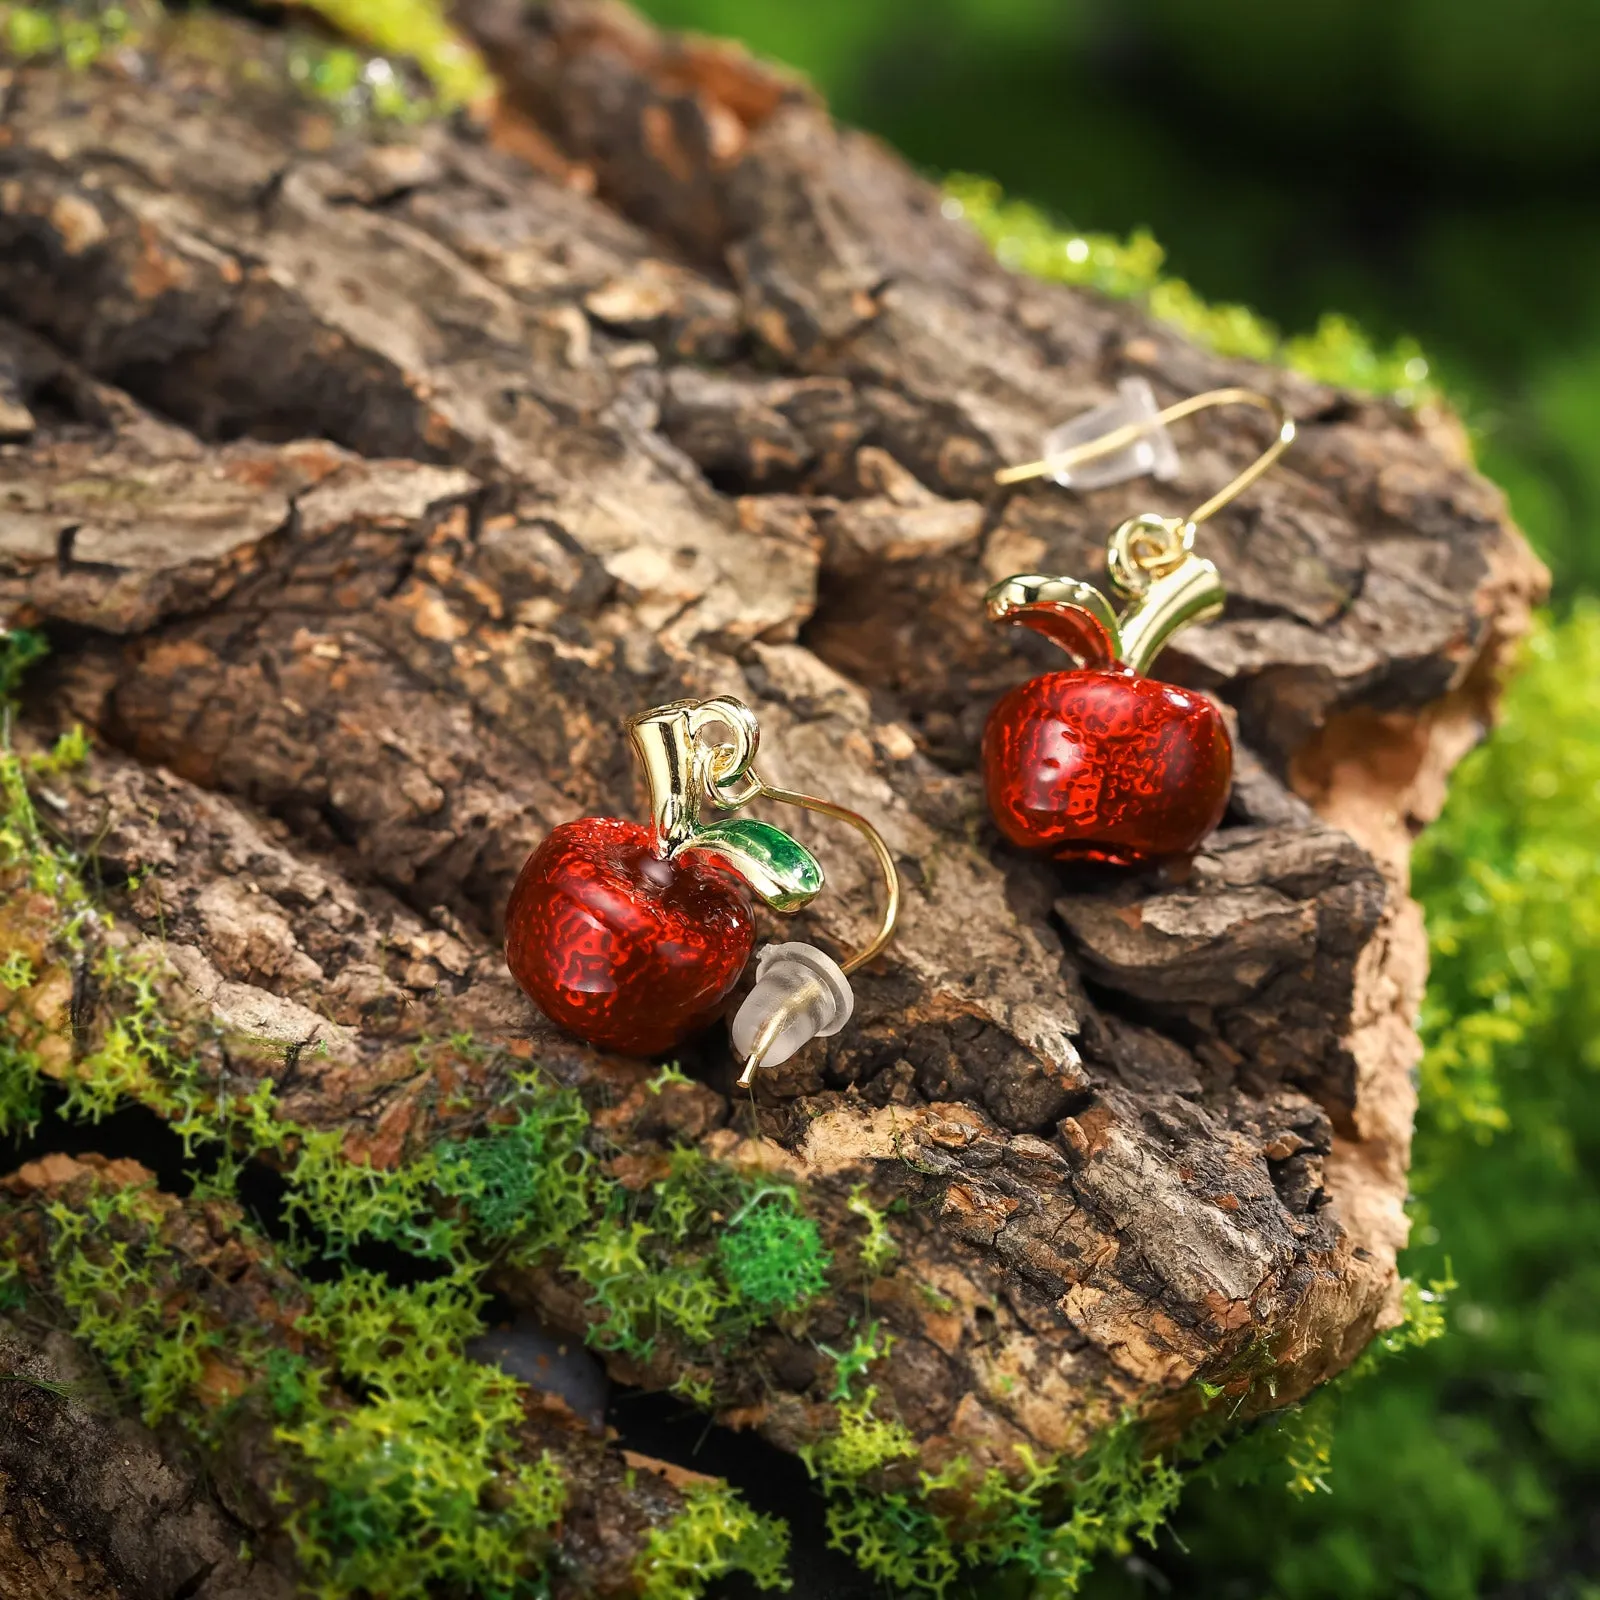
[(872, 1343), (1047, 1519), (345, 1202), (20, 648), (895, 1538), (863, 1443), (529, 1183), (1513, 939), (289, 1382), (714, 1534), (404, 62), (878, 1249), (76, 34), (16, 971), (410, 1446), (1024, 238), (21, 1087), (419, 1483), (417, 30), (1115, 1495), (771, 1255), (117, 1280), (702, 1257), (892, 1534), (13, 1292)]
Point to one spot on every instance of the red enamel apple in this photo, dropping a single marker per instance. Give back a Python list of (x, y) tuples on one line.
[(1104, 763), (629, 951), (631, 935)]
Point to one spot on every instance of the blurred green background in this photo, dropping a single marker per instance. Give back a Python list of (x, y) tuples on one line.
[(1431, 168)]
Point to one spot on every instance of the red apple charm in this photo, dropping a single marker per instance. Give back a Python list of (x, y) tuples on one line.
[(1104, 763), (632, 935), (626, 950)]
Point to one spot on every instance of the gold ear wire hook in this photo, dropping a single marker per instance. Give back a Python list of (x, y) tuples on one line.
[(1108, 443), (891, 876), (775, 1025), (756, 789)]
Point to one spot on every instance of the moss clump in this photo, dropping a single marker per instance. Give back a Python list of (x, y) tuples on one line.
[(117, 1279), (894, 1535), (654, 1273), (878, 1248), (406, 1468), (528, 1184), (1515, 931), (1048, 1519), (772, 1255), (20, 1093), (714, 1534), (404, 63), (417, 30), (77, 34), (420, 1483)]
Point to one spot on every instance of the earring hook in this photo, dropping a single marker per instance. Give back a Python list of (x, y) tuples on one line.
[(1108, 443), (880, 850), (755, 788), (775, 1025)]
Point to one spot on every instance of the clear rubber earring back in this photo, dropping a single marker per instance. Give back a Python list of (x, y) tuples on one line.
[(801, 994), (1150, 453)]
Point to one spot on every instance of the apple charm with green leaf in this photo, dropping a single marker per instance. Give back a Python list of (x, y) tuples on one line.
[(632, 935)]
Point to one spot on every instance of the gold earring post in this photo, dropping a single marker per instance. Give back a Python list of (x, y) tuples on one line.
[(1111, 442)]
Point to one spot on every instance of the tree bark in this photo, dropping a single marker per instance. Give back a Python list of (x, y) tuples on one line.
[(365, 481)]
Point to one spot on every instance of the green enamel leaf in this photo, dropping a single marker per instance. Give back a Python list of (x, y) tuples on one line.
[(780, 870)]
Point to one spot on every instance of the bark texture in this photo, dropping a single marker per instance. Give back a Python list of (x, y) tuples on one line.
[(366, 480)]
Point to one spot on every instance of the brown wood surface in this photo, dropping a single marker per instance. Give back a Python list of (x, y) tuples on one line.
[(365, 480)]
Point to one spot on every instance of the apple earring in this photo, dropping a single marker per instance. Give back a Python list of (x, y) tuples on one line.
[(632, 935), (1103, 763)]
